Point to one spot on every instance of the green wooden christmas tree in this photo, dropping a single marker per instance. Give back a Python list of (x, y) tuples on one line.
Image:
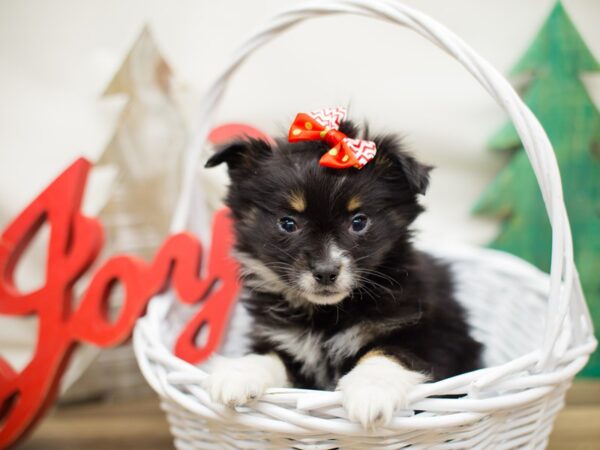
[(556, 95)]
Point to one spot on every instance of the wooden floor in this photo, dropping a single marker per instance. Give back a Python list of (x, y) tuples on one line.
[(141, 425)]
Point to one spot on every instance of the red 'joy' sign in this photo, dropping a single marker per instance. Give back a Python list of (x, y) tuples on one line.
[(74, 244)]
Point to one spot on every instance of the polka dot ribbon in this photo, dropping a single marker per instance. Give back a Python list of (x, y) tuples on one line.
[(323, 125)]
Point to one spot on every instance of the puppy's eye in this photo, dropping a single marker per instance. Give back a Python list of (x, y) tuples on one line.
[(359, 223), (288, 224)]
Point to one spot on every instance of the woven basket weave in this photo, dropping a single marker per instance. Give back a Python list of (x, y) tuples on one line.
[(536, 328)]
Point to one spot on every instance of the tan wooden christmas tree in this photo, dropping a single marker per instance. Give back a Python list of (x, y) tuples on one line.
[(146, 149)]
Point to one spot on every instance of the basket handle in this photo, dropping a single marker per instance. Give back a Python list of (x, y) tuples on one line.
[(565, 301)]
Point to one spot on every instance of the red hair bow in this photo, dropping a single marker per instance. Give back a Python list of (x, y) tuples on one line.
[(323, 125)]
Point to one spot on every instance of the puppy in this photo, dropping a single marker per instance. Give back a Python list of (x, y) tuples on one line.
[(339, 297)]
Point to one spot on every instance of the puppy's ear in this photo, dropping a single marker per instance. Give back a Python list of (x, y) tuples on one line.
[(241, 156), (391, 157)]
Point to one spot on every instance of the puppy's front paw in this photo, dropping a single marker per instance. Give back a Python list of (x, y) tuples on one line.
[(375, 388), (238, 381), (367, 403)]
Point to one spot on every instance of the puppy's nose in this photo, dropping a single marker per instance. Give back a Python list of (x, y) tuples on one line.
[(326, 274)]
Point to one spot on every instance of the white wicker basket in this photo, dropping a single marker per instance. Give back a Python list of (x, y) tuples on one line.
[(536, 328)]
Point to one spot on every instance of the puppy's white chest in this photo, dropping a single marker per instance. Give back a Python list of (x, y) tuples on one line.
[(304, 346), (317, 354)]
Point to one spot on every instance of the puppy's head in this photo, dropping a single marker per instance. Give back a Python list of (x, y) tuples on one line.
[(312, 233)]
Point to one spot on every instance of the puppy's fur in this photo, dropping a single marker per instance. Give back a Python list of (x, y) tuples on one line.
[(387, 318)]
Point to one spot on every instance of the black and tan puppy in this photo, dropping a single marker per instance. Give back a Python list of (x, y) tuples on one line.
[(339, 297)]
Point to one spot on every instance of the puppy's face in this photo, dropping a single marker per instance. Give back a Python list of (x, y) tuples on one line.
[(316, 234)]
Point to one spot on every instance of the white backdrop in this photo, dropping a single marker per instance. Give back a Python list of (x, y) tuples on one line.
[(57, 57)]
